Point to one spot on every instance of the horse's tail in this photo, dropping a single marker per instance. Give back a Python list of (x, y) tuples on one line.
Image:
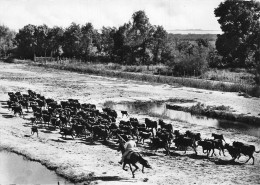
[(142, 161)]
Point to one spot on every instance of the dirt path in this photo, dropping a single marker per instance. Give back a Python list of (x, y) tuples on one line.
[(80, 159)]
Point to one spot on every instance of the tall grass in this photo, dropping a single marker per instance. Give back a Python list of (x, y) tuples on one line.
[(141, 73), (229, 76)]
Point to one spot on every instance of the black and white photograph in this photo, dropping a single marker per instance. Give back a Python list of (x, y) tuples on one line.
[(130, 92)]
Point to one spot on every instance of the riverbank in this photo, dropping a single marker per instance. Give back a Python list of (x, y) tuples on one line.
[(218, 112), (82, 161), (237, 85)]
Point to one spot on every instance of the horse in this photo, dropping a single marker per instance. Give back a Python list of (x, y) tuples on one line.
[(134, 158)]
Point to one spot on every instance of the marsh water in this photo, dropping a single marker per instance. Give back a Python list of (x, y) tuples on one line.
[(16, 169), (159, 109)]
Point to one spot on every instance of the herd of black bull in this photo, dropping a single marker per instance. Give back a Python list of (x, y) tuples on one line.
[(78, 120)]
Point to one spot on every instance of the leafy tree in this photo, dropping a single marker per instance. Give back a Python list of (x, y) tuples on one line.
[(39, 41), (202, 46), (168, 53), (55, 40), (142, 33), (214, 59), (6, 40), (136, 42), (96, 41), (168, 56), (202, 42), (159, 42), (122, 44), (90, 41), (256, 48), (86, 41), (42, 42), (72, 39), (186, 48), (140, 22), (239, 21), (26, 41), (107, 42)]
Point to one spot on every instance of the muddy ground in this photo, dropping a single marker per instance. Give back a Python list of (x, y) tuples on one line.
[(97, 163)]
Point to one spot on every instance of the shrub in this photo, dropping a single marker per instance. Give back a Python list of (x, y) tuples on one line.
[(190, 66), (114, 66), (215, 60), (133, 69), (10, 60), (255, 91)]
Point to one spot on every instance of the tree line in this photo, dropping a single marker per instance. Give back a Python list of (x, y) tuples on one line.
[(138, 42)]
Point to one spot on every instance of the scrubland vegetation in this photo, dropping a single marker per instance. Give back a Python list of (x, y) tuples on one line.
[(235, 83)]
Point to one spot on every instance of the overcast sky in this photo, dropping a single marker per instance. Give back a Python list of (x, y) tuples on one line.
[(171, 14)]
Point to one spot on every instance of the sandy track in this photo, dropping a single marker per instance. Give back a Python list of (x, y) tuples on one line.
[(80, 159)]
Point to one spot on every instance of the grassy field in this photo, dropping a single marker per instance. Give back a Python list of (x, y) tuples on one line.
[(221, 80)]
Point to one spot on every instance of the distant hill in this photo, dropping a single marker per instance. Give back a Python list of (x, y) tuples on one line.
[(194, 31), (193, 37)]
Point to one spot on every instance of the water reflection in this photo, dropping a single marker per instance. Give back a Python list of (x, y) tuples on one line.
[(159, 109), (16, 169)]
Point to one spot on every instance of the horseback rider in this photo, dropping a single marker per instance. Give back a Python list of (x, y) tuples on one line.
[(129, 146)]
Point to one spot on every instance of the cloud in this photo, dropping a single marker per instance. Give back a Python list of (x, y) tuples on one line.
[(171, 14)]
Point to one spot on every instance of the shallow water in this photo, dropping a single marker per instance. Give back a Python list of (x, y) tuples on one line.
[(16, 169), (159, 109)]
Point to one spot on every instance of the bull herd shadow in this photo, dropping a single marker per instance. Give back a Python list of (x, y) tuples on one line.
[(112, 144), (10, 115)]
